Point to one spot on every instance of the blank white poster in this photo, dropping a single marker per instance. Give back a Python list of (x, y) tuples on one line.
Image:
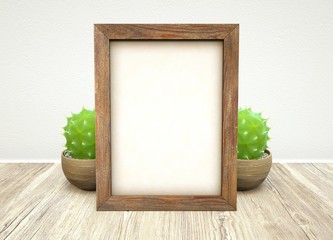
[(166, 113)]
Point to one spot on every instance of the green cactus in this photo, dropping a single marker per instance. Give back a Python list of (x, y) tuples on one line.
[(252, 134), (80, 135)]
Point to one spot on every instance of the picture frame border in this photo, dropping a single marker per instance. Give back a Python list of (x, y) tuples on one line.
[(229, 34)]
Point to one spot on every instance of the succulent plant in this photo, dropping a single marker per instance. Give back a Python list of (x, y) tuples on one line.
[(80, 134), (252, 134)]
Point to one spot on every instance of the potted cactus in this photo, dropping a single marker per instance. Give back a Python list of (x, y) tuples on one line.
[(254, 158), (78, 160)]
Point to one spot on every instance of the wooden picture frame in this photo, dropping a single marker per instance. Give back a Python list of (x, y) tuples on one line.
[(229, 34)]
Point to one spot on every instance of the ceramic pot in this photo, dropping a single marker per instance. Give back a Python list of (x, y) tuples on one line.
[(251, 173), (80, 172)]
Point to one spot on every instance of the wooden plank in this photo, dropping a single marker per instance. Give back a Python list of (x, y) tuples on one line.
[(66, 212), (295, 202), (7, 169), (22, 194), (18, 173), (325, 171), (305, 200), (170, 225), (261, 214)]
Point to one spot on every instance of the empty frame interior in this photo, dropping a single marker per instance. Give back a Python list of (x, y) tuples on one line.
[(166, 117)]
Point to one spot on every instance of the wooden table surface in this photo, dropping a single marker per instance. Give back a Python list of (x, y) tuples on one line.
[(295, 202)]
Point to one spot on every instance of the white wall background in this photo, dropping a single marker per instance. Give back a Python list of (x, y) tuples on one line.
[(47, 66)]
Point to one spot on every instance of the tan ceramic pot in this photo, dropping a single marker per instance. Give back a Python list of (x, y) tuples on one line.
[(80, 172), (251, 173)]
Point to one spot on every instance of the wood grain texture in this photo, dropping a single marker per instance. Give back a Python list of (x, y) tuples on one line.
[(230, 117), (164, 203), (37, 202), (229, 33), (166, 31), (103, 117)]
